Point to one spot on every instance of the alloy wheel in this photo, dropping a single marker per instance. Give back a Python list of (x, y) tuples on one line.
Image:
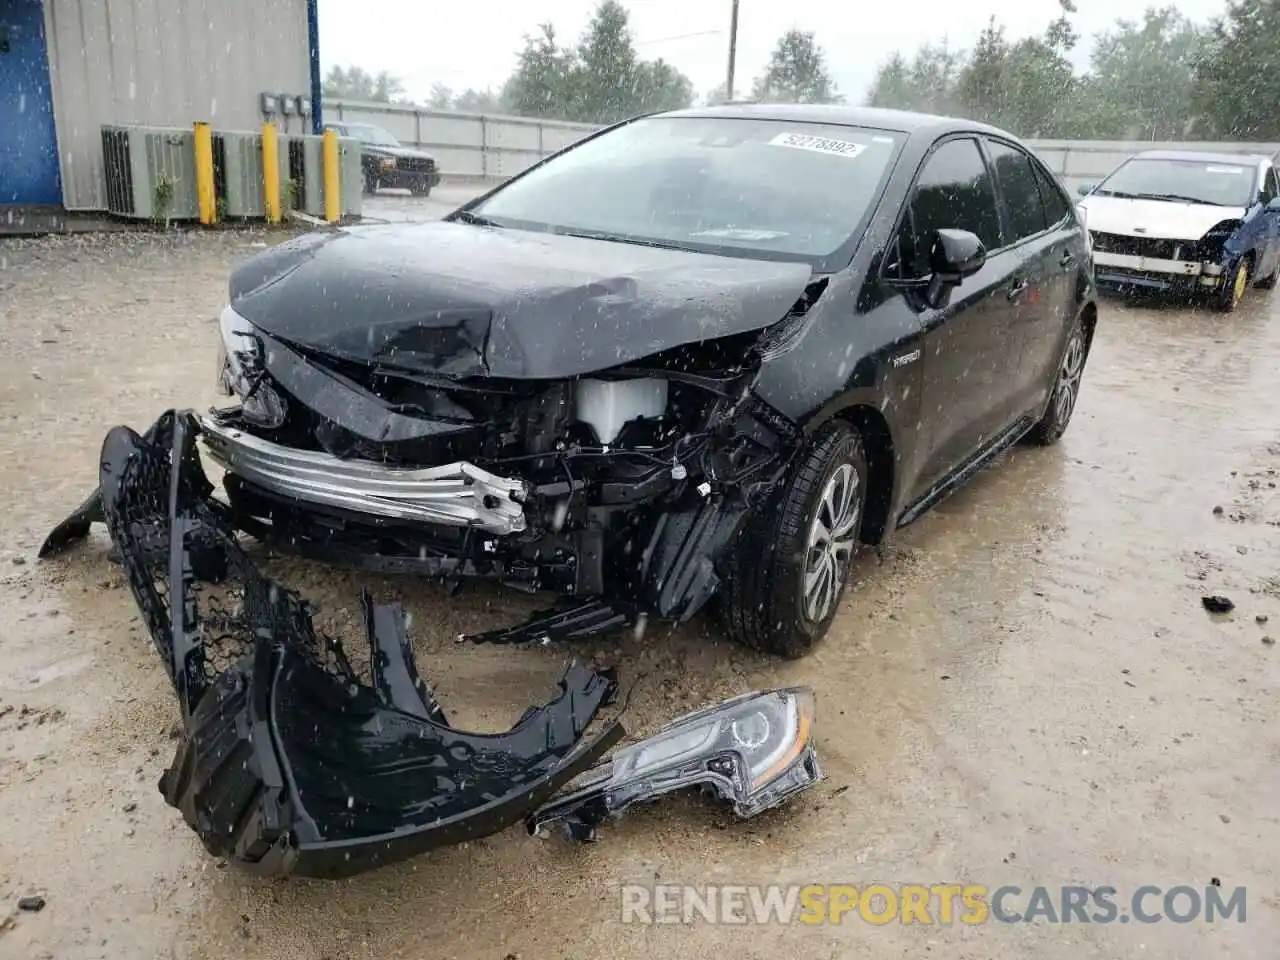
[(832, 535), (1069, 377)]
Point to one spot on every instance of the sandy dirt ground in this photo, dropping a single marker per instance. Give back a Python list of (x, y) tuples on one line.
[(1023, 689)]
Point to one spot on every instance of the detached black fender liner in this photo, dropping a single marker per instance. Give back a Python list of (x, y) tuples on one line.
[(292, 760)]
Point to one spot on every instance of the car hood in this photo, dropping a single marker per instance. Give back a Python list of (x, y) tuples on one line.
[(460, 300), (382, 150), (1158, 219)]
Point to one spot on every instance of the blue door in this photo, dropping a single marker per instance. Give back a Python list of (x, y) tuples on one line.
[(28, 141)]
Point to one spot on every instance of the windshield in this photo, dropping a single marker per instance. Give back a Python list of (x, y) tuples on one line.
[(1220, 183), (779, 188), (374, 135)]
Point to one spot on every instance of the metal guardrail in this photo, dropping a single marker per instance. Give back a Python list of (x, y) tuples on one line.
[(495, 146), (466, 145)]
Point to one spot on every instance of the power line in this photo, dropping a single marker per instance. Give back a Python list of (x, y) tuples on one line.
[(680, 36)]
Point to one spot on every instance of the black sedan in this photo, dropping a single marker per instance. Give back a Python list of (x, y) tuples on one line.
[(386, 162), (698, 356)]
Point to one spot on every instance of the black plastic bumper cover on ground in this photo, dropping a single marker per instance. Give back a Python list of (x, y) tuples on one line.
[(291, 761)]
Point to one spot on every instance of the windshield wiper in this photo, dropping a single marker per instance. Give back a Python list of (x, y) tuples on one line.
[(1174, 198), (623, 238), (466, 216)]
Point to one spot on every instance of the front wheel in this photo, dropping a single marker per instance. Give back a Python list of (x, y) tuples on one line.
[(1233, 287), (1066, 390), (421, 189), (370, 184), (789, 571)]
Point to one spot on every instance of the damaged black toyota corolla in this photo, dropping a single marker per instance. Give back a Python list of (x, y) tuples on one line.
[(700, 354)]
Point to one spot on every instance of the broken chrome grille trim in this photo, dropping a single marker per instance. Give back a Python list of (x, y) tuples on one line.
[(457, 494)]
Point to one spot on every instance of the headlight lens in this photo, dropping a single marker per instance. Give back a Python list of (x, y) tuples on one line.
[(755, 750), (388, 163), (762, 732), (241, 371)]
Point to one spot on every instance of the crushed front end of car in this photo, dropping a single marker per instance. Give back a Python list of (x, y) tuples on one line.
[(291, 760), (619, 490)]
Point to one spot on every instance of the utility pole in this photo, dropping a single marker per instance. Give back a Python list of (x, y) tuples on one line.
[(733, 50)]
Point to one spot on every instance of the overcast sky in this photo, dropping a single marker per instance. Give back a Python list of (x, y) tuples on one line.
[(474, 43)]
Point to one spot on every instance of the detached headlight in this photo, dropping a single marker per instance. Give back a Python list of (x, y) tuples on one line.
[(755, 751), (242, 372)]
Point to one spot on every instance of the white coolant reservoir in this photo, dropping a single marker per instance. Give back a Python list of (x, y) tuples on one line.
[(607, 404)]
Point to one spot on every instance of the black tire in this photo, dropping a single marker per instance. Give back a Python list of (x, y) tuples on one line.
[(370, 184), (1233, 288), (764, 603), (421, 189), (1068, 376)]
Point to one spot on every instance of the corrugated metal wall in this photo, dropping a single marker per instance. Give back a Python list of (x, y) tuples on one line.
[(164, 63)]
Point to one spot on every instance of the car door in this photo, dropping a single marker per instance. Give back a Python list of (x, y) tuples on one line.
[(1050, 247), (1268, 255), (965, 389), (1045, 325)]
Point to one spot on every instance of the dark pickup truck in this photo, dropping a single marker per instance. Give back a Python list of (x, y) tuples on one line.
[(385, 162)]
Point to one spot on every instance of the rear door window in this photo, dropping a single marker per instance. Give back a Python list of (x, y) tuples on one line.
[(1016, 175), (1056, 205)]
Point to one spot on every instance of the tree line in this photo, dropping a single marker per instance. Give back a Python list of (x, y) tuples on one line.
[(602, 78), (1159, 77)]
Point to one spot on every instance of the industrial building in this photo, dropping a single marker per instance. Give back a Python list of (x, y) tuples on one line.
[(70, 67)]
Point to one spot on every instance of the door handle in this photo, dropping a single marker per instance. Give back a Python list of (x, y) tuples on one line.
[(1066, 260), (1016, 288)]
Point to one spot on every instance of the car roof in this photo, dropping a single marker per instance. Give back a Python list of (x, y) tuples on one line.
[(901, 121), (1200, 156)]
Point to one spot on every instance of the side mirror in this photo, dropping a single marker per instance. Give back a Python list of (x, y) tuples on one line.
[(1085, 189), (956, 254), (1273, 205)]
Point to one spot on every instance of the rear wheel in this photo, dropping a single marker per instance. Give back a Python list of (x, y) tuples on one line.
[(789, 571), (1066, 390)]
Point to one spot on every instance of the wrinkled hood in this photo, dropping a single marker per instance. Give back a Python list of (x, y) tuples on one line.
[(1158, 219), (461, 300)]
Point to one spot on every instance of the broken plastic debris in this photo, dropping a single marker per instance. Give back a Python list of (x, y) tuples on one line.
[(290, 761)]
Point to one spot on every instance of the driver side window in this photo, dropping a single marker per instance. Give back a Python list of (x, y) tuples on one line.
[(1270, 186), (954, 190)]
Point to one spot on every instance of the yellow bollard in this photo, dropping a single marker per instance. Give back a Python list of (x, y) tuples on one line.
[(332, 178), (271, 172), (204, 174)]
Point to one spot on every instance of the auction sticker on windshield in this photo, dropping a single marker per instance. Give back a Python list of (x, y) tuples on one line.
[(805, 141)]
